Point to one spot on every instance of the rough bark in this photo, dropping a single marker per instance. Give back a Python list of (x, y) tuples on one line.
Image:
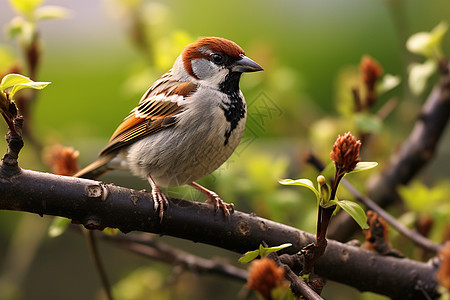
[(97, 205)]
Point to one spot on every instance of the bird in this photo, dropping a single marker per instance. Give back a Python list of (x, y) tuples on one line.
[(186, 125)]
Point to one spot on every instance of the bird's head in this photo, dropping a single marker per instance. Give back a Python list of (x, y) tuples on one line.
[(212, 59)]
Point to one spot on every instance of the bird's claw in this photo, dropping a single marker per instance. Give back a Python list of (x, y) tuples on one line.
[(160, 202), (214, 199)]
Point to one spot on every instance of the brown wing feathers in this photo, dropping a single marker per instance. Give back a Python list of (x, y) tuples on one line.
[(155, 111), (151, 115)]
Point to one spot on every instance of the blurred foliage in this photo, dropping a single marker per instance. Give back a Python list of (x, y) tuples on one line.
[(140, 284), (102, 56), (432, 203), (429, 45)]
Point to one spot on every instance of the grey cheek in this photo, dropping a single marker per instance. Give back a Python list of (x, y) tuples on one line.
[(203, 68)]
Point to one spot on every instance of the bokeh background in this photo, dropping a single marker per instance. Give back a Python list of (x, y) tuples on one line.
[(310, 51)]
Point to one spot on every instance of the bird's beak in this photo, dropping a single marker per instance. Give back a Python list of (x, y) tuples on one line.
[(245, 64)]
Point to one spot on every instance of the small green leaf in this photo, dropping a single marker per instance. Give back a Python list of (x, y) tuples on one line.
[(58, 226), (354, 210), (301, 182), (305, 277), (364, 165), (428, 43), (249, 256), (12, 79), (16, 82), (387, 83), (419, 74), (51, 12), (31, 85), (263, 251), (14, 27)]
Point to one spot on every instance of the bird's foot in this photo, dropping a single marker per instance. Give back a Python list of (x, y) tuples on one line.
[(160, 201), (214, 199)]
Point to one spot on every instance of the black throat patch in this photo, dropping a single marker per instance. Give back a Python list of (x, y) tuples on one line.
[(234, 109)]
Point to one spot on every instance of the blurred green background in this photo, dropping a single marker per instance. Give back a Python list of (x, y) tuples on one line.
[(310, 50)]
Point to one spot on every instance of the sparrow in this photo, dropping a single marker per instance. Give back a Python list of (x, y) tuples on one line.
[(186, 125)]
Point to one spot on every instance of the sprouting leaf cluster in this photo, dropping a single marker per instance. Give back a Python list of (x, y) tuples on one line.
[(323, 191)]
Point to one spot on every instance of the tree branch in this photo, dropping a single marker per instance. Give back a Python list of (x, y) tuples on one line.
[(420, 146), (149, 247), (414, 236), (97, 205)]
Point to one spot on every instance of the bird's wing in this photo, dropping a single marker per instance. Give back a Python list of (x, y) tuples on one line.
[(156, 110)]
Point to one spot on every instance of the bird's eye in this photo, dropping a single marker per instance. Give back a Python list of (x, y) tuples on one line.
[(217, 58)]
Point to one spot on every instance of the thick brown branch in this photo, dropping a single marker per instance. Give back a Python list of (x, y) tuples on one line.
[(97, 205)]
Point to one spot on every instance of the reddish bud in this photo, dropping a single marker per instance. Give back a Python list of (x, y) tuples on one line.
[(370, 70), (264, 276), (345, 152), (62, 160), (370, 73)]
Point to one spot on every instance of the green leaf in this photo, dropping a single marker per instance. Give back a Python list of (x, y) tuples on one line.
[(25, 7), (364, 165), (301, 182), (387, 83), (354, 210), (262, 251), (58, 226), (16, 82), (51, 12), (305, 277), (14, 27), (428, 43), (419, 74), (12, 79), (31, 85), (249, 256)]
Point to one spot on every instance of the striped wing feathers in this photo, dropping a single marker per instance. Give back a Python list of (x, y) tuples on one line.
[(156, 110)]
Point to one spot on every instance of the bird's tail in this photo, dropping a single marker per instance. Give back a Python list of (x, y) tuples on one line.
[(97, 168)]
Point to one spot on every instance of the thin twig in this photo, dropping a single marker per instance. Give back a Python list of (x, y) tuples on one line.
[(149, 247), (417, 238), (298, 287), (93, 250)]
